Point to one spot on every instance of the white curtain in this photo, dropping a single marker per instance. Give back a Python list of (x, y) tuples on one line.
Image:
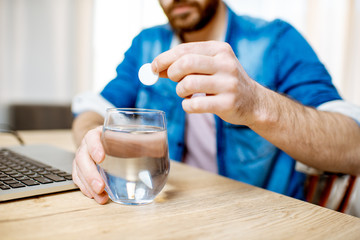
[(46, 51)]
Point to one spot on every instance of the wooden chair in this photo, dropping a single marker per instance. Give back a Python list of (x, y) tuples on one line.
[(330, 190), (320, 190)]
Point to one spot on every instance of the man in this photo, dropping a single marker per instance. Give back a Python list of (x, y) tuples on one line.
[(267, 98)]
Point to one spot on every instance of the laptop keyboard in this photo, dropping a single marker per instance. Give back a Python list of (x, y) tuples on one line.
[(17, 171)]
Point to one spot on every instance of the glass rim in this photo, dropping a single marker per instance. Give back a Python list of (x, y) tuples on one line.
[(133, 110)]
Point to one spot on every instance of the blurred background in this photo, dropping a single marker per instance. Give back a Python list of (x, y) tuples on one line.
[(51, 50)]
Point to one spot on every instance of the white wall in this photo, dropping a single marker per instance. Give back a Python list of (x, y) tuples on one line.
[(116, 22), (352, 63)]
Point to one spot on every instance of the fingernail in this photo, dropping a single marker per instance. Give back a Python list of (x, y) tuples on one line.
[(198, 95), (97, 186), (98, 155), (154, 67)]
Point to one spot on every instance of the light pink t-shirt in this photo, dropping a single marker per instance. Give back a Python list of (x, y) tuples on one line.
[(200, 136), (200, 141)]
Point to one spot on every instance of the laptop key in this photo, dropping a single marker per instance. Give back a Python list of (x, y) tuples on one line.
[(17, 167), (6, 170), (2, 175), (12, 165), (51, 169), (5, 178), (62, 174), (4, 187), (23, 170), (28, 165), (38, 170), (57, 171), (43, 180), (34, 175), (17, 185), (15, 175), (11, 182), (55, 178), (11, 172), (30, 182), (29, 172), (68, 177), (22, 178)]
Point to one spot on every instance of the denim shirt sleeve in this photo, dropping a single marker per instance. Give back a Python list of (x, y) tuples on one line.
[(300, 73)]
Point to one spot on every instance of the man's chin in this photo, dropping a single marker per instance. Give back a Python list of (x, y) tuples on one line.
[(185, 25)]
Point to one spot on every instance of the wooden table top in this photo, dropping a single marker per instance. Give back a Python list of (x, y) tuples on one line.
[(193, 205)]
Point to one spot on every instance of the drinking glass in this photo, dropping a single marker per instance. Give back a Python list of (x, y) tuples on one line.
[(136, 163)]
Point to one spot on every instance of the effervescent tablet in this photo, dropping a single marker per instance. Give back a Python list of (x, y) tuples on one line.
[(146, 75)]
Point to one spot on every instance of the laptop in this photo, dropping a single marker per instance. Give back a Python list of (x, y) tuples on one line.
[(33, 170)]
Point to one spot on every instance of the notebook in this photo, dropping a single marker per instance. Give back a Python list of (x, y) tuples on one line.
[(32, 170)]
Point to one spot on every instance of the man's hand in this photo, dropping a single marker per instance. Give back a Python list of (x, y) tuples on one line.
[(85, 173), (324, 140), (211, 68)]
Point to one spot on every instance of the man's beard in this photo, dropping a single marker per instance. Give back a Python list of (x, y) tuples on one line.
[(204, 16)]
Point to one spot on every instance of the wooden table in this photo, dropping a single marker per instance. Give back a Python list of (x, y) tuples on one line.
[(194, 205)]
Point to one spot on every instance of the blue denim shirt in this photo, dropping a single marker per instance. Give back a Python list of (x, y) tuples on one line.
[(273, 54)]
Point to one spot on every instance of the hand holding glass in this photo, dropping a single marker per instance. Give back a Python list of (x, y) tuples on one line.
[(137, 164)]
